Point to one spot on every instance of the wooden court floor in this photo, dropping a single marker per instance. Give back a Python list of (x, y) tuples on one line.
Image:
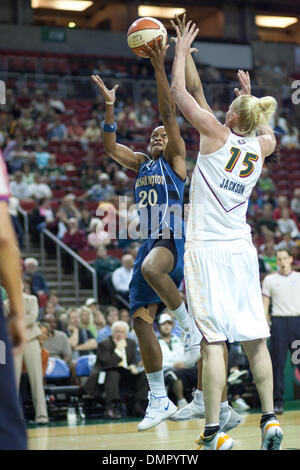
[(167, 436)]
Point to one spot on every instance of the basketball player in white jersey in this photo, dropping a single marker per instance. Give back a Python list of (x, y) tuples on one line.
[(221, 266)]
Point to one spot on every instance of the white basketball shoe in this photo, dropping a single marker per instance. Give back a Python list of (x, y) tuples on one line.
[(159, 409), (271, 435)]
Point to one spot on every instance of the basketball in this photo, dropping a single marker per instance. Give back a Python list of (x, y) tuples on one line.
[(144, 31)]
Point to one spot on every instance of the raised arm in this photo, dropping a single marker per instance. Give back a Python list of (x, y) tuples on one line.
[(193, 80), (175, 150), (201, 119), (120, 153)]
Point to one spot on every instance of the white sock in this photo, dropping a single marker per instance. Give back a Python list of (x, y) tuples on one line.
[(182, 316), (224, 405), (198, 396), (156, 383)]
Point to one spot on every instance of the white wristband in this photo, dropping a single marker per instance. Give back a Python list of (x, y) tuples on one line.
[(110, 102)]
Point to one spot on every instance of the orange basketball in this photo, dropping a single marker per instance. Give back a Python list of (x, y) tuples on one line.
[(144, 31)]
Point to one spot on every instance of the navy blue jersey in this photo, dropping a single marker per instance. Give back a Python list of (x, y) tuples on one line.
[(159, 196)]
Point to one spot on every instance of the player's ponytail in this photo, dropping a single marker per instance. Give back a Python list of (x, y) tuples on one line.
[(253, 112)]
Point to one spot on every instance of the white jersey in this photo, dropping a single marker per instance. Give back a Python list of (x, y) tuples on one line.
[(221, 186)]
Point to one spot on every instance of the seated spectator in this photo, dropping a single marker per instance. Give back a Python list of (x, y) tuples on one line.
[(97, 236), (74, 238), (287, 224), (45, 332), (291, 138), (39, 189), (57, 104), (53, 298), (112, 315), (265, 182), (105, 263), (269, 257), (92, 132), (57, 344), (18, 187), (42, 157), (102, 191), (89, 178), (85, 219), (53, 170), (87, 320), (75, 130), (81, 339), (38, 283), (32, 358), (295, 203), (283, 202), (177, 375), (287, 243), (267, 219), (41, 216), (121, 277), (25, 121), (99, 321), (56, 130), (66, 211), (27, 174), (116, 357), (13, 207)]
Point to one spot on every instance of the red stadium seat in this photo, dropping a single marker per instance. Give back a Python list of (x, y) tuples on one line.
[(88, 255), (27, 205)]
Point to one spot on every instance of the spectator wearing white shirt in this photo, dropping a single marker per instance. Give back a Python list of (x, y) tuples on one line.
[(176, 374), (18, 187), (121, 277), (286, 224), (39, 189), (281, 291)]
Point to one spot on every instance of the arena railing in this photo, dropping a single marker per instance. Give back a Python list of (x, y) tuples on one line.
[(81, 87), (26, 226), (76, 261)]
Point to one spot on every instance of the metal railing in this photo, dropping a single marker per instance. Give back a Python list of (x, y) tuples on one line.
[(26, 226), (76, 260)]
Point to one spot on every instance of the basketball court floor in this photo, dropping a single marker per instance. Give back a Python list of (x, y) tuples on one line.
[(123, 435)]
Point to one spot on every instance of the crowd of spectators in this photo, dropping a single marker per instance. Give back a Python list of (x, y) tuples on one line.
[(59, 173)]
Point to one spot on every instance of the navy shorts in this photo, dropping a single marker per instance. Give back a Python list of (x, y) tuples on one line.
[(141, 293)]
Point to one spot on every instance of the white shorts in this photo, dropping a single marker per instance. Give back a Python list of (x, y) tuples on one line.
[(224, 292)]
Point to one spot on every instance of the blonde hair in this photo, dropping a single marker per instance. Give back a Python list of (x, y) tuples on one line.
[(253, 112)]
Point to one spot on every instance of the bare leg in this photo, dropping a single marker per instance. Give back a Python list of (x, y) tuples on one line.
[(199, 385), (155, 269), (261, 367), (213, 377), (149, 346)]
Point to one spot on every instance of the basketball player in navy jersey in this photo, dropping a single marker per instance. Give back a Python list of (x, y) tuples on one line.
[(158, 269)]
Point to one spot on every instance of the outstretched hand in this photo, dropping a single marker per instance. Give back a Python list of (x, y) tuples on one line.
[(180, 22), (156, 54), (245, 83), (185, 39), (108, 95)]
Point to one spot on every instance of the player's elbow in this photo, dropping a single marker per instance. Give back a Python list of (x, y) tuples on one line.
[(175, 92)]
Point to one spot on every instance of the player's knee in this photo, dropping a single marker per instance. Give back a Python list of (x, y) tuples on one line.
[(148, 272)]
